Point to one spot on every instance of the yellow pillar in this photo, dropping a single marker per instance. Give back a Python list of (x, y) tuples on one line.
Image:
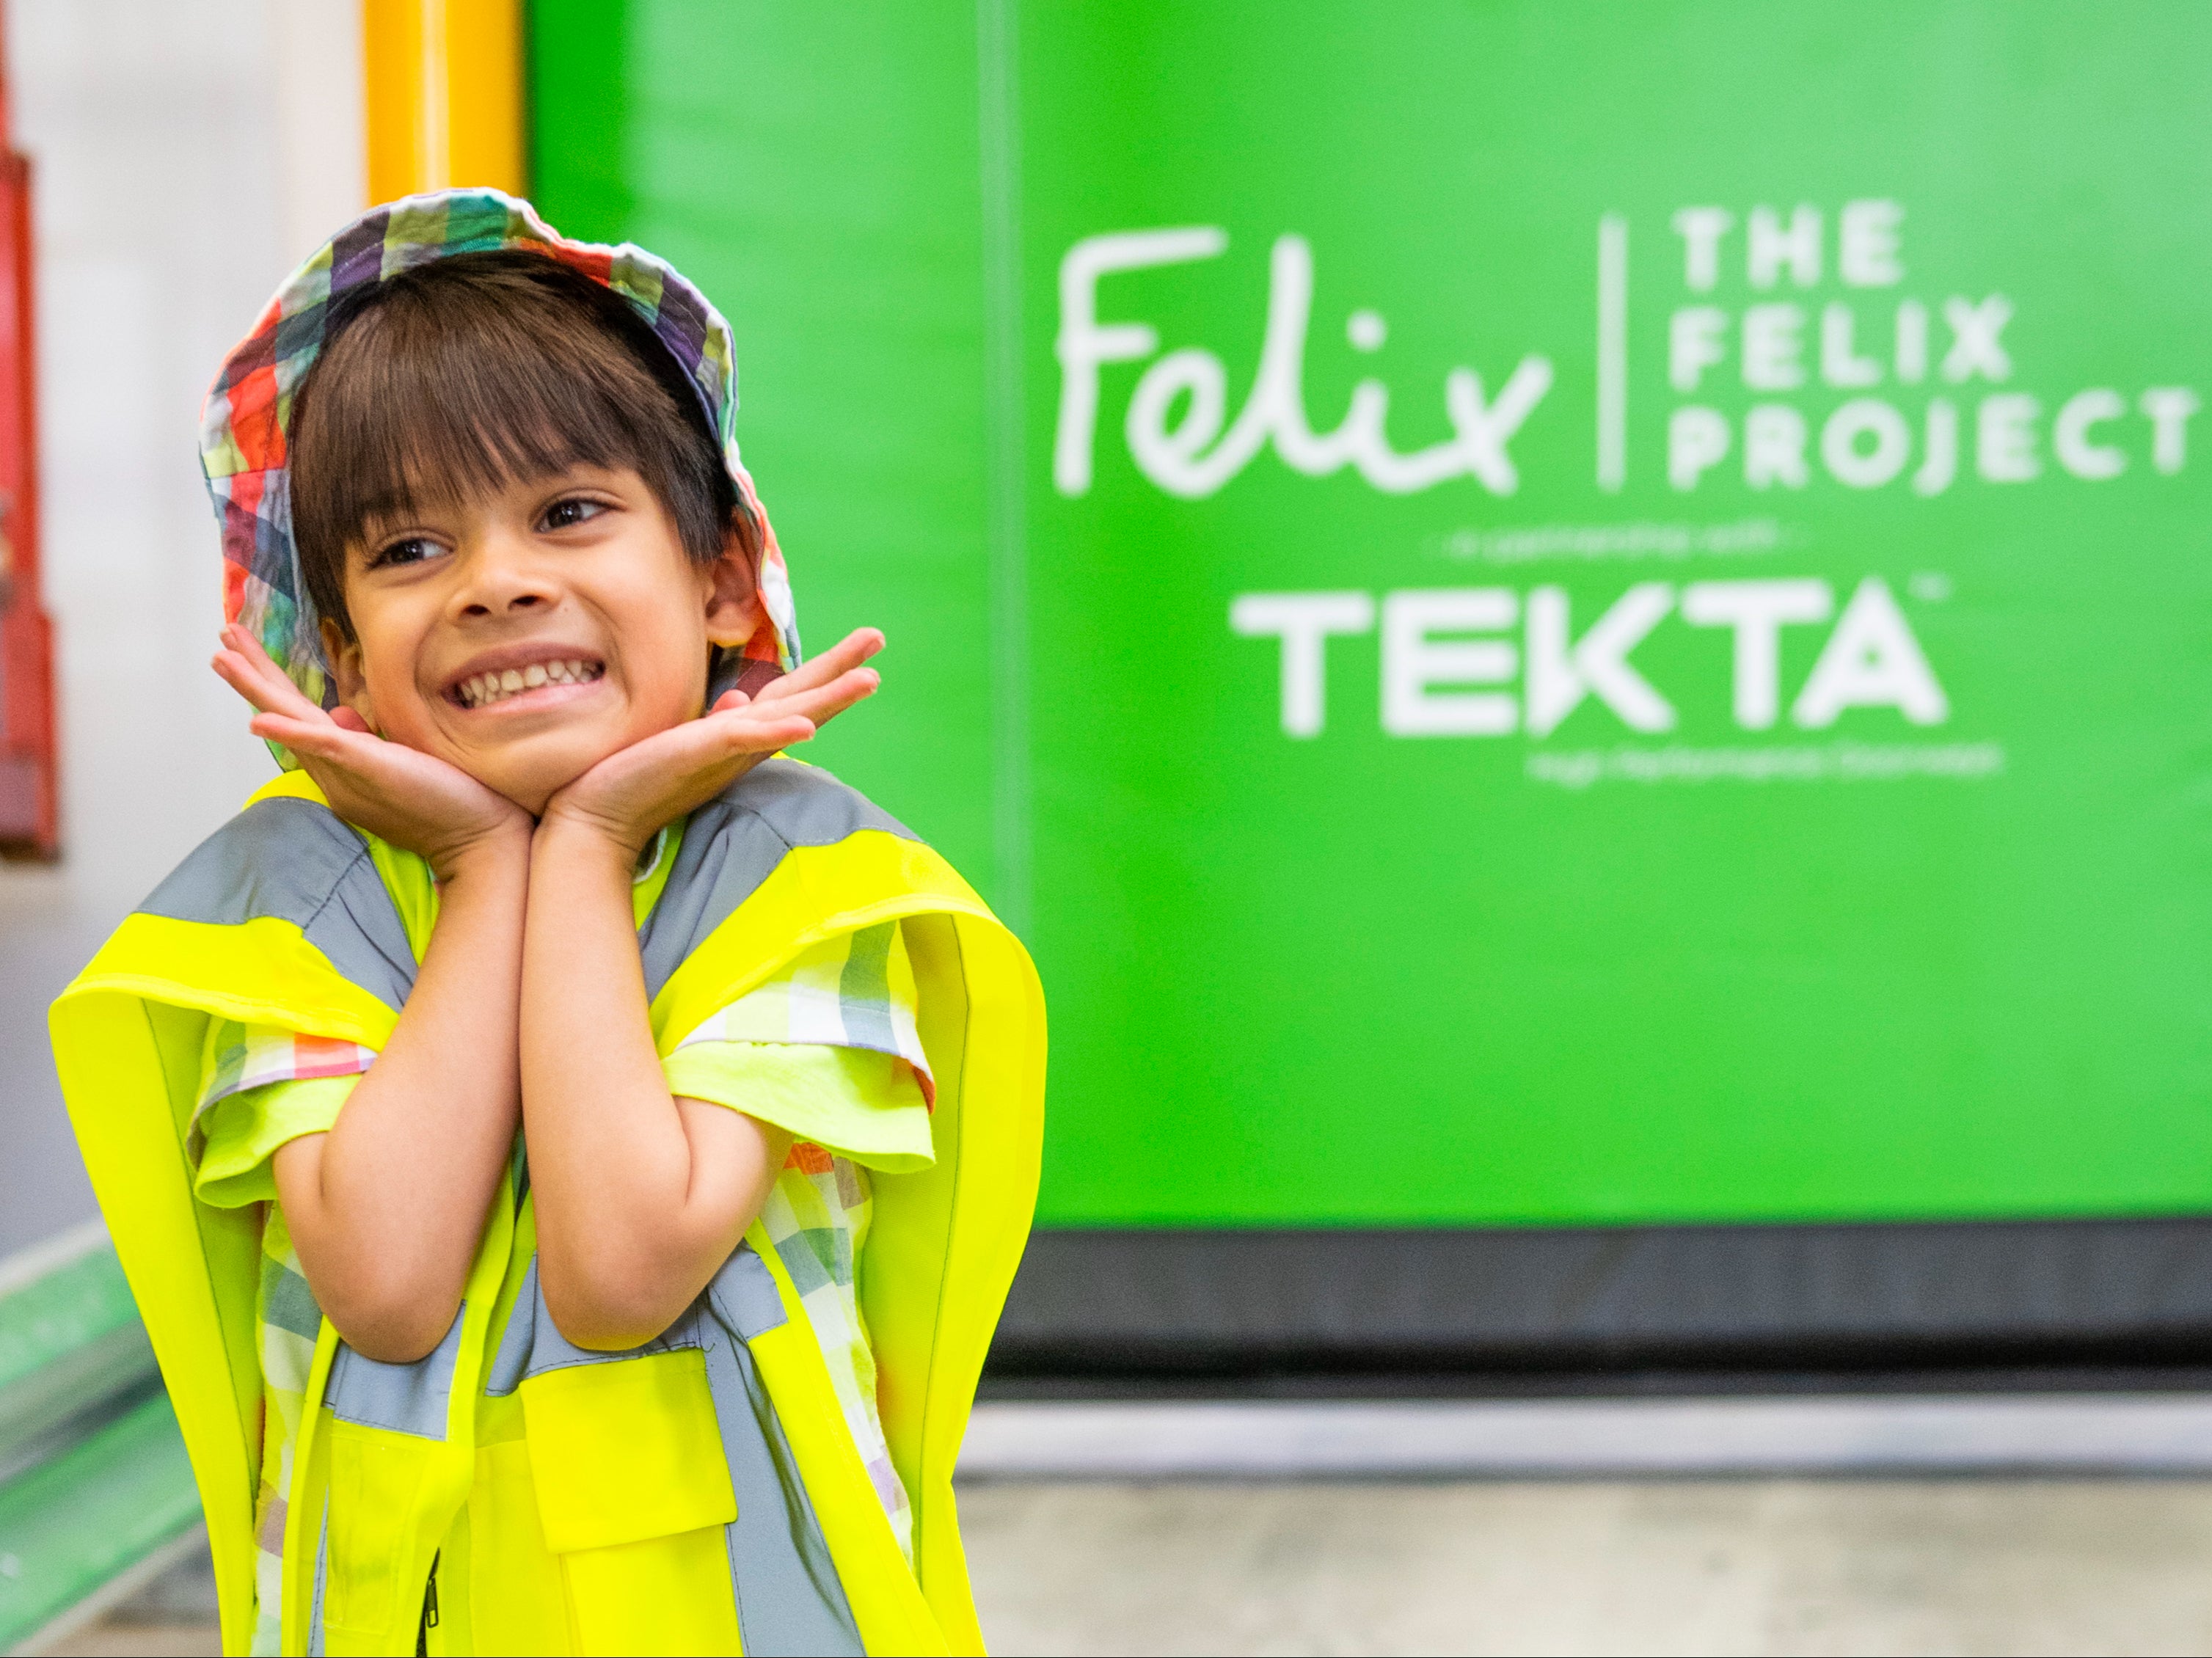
[(444, 94)]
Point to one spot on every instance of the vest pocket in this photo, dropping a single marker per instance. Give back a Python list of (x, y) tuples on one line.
[(375, 1477), (666, 1594), (626, 1450)]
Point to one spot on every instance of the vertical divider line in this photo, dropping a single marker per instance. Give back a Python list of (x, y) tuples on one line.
[(1612, 352), (435, 108), (998, 92)]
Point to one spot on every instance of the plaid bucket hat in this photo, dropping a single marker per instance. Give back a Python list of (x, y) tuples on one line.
[(245, 448)]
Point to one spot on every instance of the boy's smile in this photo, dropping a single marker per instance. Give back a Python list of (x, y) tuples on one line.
[(498, 679), (526, 634)]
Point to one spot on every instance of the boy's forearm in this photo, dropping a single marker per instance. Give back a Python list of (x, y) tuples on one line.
[(386, 1209), (638, 1197)]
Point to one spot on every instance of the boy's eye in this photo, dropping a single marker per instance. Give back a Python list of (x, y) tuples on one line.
[(409, 550), (566, 514)]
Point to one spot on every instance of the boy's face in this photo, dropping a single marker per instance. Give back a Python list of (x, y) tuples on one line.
[(527, 635)]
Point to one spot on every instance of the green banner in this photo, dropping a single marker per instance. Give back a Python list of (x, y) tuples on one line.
[(1540, 612)]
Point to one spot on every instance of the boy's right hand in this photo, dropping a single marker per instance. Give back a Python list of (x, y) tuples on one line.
[(621, 801), (412, 799)]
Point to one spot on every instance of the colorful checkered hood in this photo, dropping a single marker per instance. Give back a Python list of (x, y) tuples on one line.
[(244, 428)]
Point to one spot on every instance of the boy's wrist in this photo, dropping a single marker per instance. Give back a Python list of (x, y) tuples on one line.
[(572, 835), (495, 853)]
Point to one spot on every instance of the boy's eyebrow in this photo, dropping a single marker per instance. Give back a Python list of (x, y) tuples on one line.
[(395, 511), (398, 509), (420, 488)]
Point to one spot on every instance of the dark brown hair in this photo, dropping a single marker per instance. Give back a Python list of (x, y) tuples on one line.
[(474, 372)]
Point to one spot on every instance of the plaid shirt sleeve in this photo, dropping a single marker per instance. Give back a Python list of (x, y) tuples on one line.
[(853, 991), (297, 1083), (238, 1057)]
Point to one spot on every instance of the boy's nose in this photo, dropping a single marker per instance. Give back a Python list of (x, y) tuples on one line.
[(503, 581), (521, 600)]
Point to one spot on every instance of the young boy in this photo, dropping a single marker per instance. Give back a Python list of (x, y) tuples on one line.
[(570, 1160)]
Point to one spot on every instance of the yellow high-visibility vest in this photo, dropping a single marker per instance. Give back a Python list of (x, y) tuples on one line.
[(698, 1494)]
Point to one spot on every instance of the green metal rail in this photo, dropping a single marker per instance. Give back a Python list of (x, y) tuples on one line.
[(94, 1483)]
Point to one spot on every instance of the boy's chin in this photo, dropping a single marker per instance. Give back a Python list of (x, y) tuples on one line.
[(533, 783)]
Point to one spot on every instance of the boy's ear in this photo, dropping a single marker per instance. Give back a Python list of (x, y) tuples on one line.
[(733, 607), (343, 655)]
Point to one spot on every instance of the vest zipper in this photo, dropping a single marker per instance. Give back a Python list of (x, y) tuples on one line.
[(430, 1610)]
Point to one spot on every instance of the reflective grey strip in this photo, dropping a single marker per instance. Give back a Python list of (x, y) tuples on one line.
[(511, 1364), (532, 1344), (734, 842), (322, 1577), (298, 862), (788, 1597), (744, 1296), (405, 1399)]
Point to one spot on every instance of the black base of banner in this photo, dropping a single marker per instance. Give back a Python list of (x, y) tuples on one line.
[(1929, 1296)]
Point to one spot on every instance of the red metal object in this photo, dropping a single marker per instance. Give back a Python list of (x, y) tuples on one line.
[(30, 798)]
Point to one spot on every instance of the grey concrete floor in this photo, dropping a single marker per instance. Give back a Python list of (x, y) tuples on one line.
[(1790, 1566), (1676, 1566)]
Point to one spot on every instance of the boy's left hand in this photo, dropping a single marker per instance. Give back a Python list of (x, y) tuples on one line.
[(415, 800), (630, 794)]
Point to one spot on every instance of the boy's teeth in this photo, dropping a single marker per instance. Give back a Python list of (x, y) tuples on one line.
[(486, 689)]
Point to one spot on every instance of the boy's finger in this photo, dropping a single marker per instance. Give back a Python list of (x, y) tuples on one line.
[(248, 645), (854, 648), (847, 653), (287, 729), (322, 736), (247, 649), (234, 674), (278, 682), (780, 733), (239, 674), (277, 685), (295, 735), (833, 698), (854, 683), (755, 728), (816, 704)]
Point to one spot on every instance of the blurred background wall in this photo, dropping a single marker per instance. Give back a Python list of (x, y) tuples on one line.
[(1306, 461), (185, 152), (888, 203)]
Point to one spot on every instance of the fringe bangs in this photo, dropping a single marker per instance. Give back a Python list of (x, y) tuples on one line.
[(479, 371)]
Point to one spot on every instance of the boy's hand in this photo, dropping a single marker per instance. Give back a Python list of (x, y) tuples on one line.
[(626, 798), (400, 794)]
